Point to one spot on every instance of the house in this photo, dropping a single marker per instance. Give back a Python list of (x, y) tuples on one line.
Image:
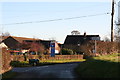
[(74, 42), (80, 39), (46, 44), (14, 43)]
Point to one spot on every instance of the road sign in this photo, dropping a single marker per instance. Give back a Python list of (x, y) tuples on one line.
[(52, 52), (52, 46)]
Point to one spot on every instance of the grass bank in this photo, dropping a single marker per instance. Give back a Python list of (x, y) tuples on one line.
[(8, 75), (106, 66)]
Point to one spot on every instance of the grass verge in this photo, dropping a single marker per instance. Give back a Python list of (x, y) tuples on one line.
[(42, 62), (8, 75), (62, 61), (106, 66)]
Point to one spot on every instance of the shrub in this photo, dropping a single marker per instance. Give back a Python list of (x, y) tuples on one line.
[(67, 51)]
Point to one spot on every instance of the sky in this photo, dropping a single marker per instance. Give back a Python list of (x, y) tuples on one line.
[(23, 12)]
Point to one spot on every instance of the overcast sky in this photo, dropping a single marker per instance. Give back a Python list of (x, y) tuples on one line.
[(89, 17)]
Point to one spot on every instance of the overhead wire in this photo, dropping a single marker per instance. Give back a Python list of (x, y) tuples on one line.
[(70, 18)]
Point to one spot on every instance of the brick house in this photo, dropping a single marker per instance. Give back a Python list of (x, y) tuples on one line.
[(75, 41), (80, 39), (46, 44), (14, 43)]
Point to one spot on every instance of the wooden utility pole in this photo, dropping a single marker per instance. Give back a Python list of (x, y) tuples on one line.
[(112, 21)]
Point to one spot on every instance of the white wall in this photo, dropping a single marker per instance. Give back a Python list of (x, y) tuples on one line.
[(3, 45)]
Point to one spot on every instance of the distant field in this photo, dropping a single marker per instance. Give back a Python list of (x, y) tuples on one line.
[(107, 66)]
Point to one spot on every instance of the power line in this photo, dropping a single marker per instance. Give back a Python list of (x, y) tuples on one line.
[(56, 19)]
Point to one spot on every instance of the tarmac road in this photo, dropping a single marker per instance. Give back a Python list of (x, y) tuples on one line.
[(57, 71)]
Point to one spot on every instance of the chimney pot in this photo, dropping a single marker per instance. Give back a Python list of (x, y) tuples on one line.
[(84, 33)]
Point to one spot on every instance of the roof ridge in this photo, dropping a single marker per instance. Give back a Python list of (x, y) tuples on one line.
[(79, 35), (25, 38)]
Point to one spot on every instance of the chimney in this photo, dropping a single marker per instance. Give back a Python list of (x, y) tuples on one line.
[(84, 34)]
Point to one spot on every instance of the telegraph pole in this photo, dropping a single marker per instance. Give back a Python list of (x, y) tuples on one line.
[(112, 21)]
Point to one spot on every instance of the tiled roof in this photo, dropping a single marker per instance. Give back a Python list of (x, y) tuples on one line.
[(20, 39), (78, 39), (83, 35), (4, 37)]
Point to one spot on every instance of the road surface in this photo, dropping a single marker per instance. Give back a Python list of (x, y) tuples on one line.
[(57, 71)]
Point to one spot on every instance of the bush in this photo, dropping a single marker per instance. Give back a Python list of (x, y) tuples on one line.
[(67, 51)]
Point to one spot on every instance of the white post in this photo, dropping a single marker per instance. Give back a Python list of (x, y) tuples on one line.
[(95, 47), (61, 50)]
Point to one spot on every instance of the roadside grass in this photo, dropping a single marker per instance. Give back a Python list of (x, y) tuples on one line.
[(8, 75), (111, 58), (43, 62), (106, 66), (62, 61)]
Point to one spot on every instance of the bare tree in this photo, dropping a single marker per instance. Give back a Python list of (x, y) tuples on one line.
[(106, 39), (35, 47), (117, 34), (6, 34), (75, 32), (52, 38)]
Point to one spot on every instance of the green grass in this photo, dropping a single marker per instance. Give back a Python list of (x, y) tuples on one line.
[(106, 66), (51, 62), (43, 62), (62, 61), (112, 57)]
